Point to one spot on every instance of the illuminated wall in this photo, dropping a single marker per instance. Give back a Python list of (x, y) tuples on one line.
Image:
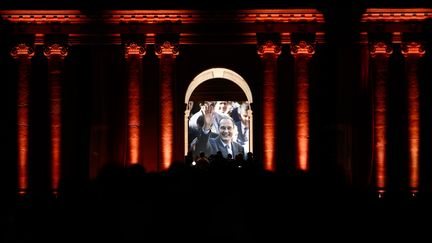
[(142, 96)]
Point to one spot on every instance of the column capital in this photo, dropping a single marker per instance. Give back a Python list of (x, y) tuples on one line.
[(269, 48), (167, 48), (303, 48), (57, 50), (412, 49), (22, 50), (380, 48), (133, 48)]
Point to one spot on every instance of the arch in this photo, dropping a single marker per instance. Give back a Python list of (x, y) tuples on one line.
[(218, 73), (211, 74)]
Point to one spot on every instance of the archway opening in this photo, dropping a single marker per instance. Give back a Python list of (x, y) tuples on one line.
[(218, 113)]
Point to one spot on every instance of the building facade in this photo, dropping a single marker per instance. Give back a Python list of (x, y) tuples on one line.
[(86, 88)]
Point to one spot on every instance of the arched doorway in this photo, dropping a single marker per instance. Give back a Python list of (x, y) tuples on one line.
[(219, 85)]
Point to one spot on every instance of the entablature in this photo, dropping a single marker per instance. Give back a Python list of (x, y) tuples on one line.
[(404, 20), (193, 26)]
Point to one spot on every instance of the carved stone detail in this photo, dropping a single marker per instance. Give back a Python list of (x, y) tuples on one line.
[(167, 48), (22, 50), (56, 49), (269, 48), (304, 48), (413, 48), (134, 49), (380, 48)]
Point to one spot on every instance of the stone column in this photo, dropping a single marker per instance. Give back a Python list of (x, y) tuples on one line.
[(412, 52), (133, 55), (167, 53), (23, 54), (269, 53), (302, 53), (55, 54), (380, 53)]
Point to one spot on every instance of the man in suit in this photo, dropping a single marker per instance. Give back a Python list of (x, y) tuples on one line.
[(224, 142), (243, 126), (195, 133), (216, 117)]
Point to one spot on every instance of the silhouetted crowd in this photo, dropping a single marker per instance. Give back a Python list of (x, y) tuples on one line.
[(213, 199)]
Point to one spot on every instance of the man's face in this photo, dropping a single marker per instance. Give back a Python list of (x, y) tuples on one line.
[(222, 106), (205, 105), (226, 130), (244, 118)]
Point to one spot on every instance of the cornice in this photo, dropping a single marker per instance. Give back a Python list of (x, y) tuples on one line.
[(162, 16), (193, 26), (396, 14)]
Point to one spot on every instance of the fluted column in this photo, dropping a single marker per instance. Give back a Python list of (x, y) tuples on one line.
[(269, 53), (380, 52), (412, 53), (133, 55), (302, 54), (23, 53), (167, 53), (55, 54)]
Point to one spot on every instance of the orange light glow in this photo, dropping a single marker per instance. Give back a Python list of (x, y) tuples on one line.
[(412, 52), (23, 54), (134, 54), (23, 124), (166, 53), (396, 14), (55, 54), (161, 16), (303, 141), (381, 53), (380, 131), (269, 53), (302, 54)]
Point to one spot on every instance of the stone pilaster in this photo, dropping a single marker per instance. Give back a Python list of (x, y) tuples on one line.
[(133, 55), (23, 54), (269, 52), (380, 53), (413, 52), (302, 53), (167, 52), (55, 54)]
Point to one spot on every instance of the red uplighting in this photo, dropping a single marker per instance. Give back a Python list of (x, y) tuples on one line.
[(166, 53), (381, 53), (269, 53), (22, 53), (134, 54), (412, 52), (55, 54), (23, 99), (302, 54)]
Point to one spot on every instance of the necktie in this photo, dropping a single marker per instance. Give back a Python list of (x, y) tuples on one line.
[(228, 149)]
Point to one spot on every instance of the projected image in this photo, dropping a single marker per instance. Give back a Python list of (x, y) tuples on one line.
[(219, 126)]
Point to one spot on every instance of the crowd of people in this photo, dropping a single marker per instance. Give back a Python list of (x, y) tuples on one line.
[(209, 199), (217, 194), (220, 126)]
